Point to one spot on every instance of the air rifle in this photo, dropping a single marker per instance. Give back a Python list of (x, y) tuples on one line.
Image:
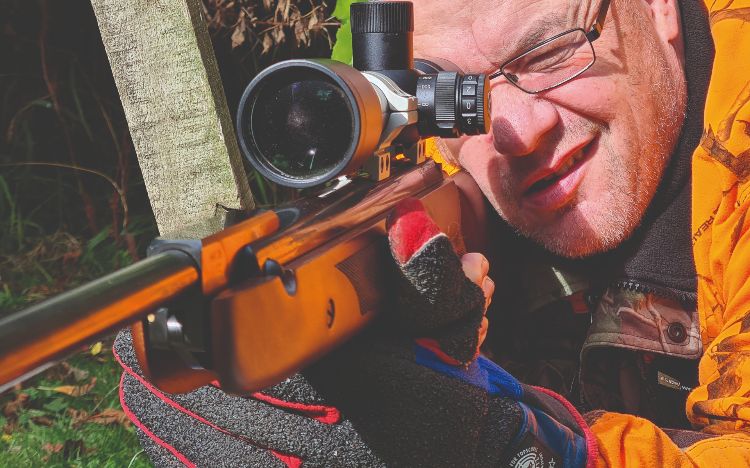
[(260, 300)]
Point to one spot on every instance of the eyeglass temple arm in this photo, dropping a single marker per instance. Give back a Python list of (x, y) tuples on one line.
[(596, 29)]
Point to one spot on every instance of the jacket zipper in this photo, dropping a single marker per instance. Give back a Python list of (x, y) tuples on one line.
[(685, 298)]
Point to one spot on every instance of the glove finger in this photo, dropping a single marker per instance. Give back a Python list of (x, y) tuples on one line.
[(475, 267), (433, 289), (436, 300)]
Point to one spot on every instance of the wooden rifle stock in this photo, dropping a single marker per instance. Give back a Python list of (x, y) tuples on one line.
[(255, 303)]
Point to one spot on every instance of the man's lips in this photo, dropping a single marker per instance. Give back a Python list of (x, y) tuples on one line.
[(551, 188), (557, 168)]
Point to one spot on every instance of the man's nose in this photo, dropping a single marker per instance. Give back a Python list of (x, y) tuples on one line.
[(520, 121)]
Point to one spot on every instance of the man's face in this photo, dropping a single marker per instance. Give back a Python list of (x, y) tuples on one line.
[(574, 168)]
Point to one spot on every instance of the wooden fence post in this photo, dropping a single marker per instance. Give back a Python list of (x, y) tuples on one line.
[(169, 84)]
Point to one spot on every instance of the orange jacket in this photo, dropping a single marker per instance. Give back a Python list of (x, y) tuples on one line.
[(720, 406)]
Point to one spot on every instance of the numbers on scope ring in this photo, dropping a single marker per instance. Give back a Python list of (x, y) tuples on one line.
[(469, 90)]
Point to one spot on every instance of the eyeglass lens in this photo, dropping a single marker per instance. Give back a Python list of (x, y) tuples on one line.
[(552, 63)]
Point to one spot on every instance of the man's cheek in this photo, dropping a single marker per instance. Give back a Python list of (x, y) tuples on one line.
[(594, 98), (488, 169), (475, 155)]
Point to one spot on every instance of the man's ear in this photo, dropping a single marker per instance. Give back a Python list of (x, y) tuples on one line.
[(666, 17)]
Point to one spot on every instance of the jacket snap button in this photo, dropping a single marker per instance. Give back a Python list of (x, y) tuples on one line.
[(676, 332)]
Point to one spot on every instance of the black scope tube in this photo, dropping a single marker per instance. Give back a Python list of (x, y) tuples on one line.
[(382, 36), (33, 337)]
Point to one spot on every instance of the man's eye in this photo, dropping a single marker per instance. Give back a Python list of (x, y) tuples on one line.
[(545, 59)]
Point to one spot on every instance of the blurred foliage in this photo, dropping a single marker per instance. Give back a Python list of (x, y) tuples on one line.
[(70, 416), (342, 49), (250, 35), (72, 202), (73, 205), (270, 24)]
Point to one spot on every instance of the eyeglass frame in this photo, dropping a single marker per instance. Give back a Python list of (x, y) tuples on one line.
[(593, 34)]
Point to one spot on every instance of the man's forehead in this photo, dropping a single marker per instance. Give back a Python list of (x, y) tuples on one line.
[(507, 25), (458, 11)]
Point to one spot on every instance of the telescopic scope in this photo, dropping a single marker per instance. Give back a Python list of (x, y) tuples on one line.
[(302, 123)]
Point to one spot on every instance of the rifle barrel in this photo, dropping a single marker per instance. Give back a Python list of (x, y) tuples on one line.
[(33, 337)]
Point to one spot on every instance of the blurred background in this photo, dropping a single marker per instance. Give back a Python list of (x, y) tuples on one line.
[(73, 205)]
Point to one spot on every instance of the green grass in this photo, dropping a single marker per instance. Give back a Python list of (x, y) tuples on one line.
[(44, 430), (40, 426)]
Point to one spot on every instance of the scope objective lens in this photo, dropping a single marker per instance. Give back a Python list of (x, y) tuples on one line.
[(302, 127), (304, 122)]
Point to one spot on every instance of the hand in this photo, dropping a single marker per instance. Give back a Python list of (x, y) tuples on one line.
[(442, 301), (410, 392)]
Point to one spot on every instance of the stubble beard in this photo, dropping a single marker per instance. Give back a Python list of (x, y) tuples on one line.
[(588, 226)]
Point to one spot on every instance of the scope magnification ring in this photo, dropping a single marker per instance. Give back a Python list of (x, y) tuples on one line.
[(301, 123), (451, 104)]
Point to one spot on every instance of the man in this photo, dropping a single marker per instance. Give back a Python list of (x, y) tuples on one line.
[(594, 126)]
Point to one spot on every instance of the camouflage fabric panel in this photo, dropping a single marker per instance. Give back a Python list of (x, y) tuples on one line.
[(640, 357), (646, 322)]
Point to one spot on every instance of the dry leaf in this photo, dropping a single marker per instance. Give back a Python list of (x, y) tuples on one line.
[(79, 374), (96, 348), (278, 35), (12, 407), (109, 416), (68, 370), (50, 448), (43, 421), (267, 43), (74, 390), (300, 33), (77, 416), (238, 36)]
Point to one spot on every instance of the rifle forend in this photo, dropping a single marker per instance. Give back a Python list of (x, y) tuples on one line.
[(247, 306)]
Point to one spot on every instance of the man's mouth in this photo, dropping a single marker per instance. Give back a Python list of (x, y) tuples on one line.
[(561, 172), (557, 187)]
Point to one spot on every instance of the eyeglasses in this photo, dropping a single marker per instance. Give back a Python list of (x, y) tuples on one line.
[(554, 61)]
